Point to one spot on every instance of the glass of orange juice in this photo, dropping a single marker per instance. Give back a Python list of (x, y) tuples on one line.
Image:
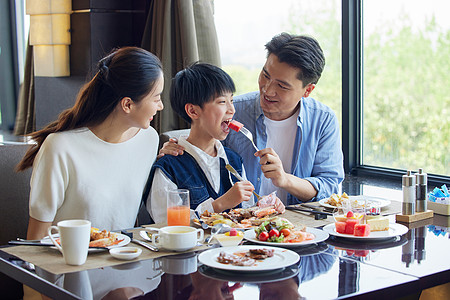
[(178, 207)]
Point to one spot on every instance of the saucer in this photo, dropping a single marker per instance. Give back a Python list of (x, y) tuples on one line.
[(125, 253)]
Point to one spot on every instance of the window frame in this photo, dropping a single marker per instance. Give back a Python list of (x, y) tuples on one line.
[(11, 83), (352, 99)]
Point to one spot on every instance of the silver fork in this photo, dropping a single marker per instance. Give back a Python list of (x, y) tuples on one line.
[(249, 135), (239, 177)]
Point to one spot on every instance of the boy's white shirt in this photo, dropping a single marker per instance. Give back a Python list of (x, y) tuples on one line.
[(157, 200)]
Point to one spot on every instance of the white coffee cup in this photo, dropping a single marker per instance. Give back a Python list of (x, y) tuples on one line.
[(181, 264), (177, 238), (74, 236)]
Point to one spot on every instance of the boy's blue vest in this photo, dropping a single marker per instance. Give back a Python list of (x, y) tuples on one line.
[(185, 172)]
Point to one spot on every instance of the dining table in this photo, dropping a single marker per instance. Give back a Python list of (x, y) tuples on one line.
[(409, 264)]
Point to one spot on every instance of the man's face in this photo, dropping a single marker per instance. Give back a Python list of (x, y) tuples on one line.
[(280, 89)]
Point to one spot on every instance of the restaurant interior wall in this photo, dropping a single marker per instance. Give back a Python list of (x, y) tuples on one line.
[(95, 32)]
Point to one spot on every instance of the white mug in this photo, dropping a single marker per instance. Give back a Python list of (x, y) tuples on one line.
[(74, 236), (177, 238)]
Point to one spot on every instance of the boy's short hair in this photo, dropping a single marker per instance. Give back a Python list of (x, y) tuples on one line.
[(299, 51), (198, 84)]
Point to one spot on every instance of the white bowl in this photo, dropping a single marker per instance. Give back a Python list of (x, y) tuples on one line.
[(125, 253), (229, 241)]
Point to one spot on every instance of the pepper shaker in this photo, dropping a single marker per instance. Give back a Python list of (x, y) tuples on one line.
[(409, 194), (421, 191)]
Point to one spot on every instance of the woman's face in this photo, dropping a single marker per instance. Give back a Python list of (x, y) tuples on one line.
[(147, 108)]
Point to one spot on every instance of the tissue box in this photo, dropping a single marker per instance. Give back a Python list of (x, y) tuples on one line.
[(439, 208)]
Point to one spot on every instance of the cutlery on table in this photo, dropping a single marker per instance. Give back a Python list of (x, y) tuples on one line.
[(239, 177), (318, 215), (145, 245), (312, 206), (145, 235)]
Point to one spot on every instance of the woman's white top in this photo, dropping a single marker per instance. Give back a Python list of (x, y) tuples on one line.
[(76, 175), (210, 165)]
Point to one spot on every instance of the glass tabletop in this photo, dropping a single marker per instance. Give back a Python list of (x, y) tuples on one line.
[(337, 268)]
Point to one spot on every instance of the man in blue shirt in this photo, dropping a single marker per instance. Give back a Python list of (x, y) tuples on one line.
[(301, 156)]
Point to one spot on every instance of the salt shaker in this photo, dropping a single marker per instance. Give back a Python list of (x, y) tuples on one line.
[(421, 191), (409, 194)]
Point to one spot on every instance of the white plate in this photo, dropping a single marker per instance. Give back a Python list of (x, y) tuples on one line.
[(125, 241), (371, 201), (281, 258), (250, 235), (253, 277), (395, 229)]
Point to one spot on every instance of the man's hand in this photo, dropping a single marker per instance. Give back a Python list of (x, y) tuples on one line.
[(239, 192), (272, 167), (171, 148)]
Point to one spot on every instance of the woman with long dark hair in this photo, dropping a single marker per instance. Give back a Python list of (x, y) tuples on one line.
[(93, 162)]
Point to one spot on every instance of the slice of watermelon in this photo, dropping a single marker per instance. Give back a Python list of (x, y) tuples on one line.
[(350, 225), (362, 230), (235, 125), (340, 227)]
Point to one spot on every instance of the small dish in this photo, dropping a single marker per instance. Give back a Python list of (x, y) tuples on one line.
[(229, 241), (125, 253)]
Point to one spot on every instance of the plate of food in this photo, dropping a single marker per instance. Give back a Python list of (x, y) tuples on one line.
[(311, 236), (239, 217), (393, 230), (336, 201), (248, 258), (99, 239)]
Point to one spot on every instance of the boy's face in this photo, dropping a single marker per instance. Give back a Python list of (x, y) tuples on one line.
[(215, 115)]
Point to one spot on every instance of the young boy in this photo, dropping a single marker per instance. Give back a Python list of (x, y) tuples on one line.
[(202, 94)]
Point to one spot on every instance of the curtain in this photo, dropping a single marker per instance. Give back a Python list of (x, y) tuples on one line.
[(25, 116), (179, 32)]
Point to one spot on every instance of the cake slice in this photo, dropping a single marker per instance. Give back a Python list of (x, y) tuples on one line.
[(379, 224)]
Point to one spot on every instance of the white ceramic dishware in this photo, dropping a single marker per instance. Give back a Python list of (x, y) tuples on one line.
[(281, 258), (74, 237), (319, 234), (177, 238), (125, 253), (395, 229)]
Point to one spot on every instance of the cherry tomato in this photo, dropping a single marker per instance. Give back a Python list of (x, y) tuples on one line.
[(349, 214), (233, 232), (285, 232), (263, 236), (274, 232)]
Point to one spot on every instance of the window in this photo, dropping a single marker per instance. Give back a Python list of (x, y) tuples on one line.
[(406, 90), (12, 54), (244, 27)]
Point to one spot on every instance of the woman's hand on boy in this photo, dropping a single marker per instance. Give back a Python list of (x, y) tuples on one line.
[(171, 148)]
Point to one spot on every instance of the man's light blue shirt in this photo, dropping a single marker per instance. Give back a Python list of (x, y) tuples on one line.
[(317, 154)]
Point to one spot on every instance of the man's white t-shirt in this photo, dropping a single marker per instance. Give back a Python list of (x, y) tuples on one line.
[(76, 175), (281, 138)]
